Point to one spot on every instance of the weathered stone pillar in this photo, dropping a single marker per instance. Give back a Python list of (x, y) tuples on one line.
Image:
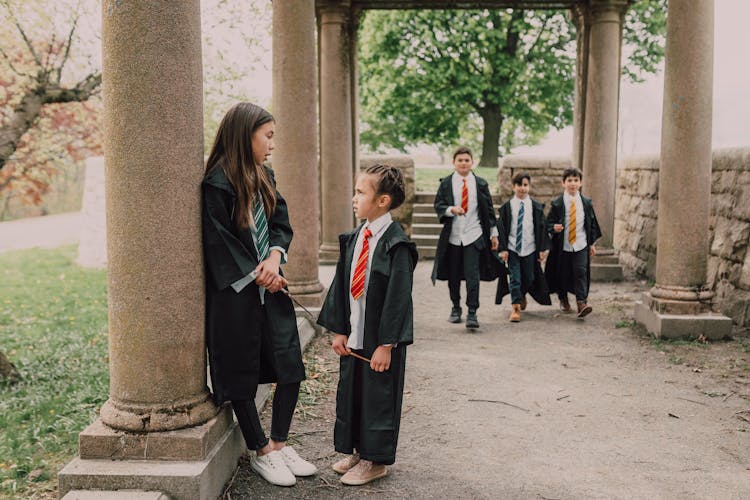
[(159, 407), (336, 151), (354, 72), (599, 160), (579, 14), (295, 159), (679, 304)]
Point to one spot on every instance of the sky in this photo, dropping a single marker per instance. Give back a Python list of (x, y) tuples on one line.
[(641, 104)]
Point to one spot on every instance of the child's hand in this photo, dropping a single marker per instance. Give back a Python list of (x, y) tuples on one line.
[(504, 256), (558, 227), (381, 358), (494, 243), (268, 273), (592, 250), (543, 256), (457, 211), (339, 345)]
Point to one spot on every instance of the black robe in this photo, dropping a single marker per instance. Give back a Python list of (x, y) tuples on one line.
[(388, 320), (241, 354), (556, 215), (490, 266), (538, 289)]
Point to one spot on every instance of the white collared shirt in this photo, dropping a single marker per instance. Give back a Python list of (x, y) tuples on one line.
[(358, 307), (466, 229), (580, 243), (528, 245)]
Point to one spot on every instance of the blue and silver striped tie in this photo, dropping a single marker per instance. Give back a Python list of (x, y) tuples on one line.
[(519, 229)]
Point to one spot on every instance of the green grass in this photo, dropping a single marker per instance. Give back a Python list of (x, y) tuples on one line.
[(428, 179), (53, 327)]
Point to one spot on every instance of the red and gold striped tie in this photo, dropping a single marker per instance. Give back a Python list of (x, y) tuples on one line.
[(465, 197), (358, 281)]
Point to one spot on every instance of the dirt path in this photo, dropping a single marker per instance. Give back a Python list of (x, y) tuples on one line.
[(549, 408)]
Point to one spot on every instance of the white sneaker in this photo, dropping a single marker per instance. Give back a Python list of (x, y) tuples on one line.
[(297, 464), (271, 467)]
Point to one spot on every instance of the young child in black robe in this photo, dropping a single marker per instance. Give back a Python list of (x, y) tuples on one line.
[(369, 309), (251, 330), (574, 228)]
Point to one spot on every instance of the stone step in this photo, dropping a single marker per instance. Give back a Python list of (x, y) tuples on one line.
[(424, 208), (426, 253), (606, 272), (115, 495), (605, 259), (424, 218), (433, 229), (425, 240)]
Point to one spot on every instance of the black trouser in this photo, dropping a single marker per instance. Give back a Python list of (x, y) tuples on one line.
[(284, 402), (574, 274), (464, 260), (521, 271)]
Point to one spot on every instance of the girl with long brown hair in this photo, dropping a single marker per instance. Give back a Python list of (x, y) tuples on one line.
[(251, 330)]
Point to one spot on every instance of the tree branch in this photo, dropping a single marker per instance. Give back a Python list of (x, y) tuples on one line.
[(67, 48), (81, 92)]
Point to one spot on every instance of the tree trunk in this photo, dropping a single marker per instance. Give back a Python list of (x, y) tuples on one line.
[(492, 121), (23, 119), (8, 372)]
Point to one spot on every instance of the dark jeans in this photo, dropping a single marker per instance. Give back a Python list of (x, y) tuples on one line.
[(464, 260), (284, 402), (521, 271), (574, 274)]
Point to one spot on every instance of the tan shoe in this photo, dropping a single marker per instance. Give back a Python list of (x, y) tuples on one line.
[(583, 308), (346, 463), (515, 313), (565, 306), (524, 303), (364, 472)]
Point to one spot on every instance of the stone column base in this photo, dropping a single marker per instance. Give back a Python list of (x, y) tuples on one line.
[(660, 318), (605, 266), (181, 479), (309, 294), (329, 254)]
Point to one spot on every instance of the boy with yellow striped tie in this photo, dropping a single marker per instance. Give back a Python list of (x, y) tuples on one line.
[(572, 223)]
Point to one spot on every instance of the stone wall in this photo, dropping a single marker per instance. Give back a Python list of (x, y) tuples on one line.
[(728, 272), (403, 214), (545, 172)]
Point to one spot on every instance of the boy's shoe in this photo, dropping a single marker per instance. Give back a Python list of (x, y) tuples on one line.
[(364, 472), (471, 320), (296, 464), (583, 308), (524, 303), (346, 463), (455, 316), (272, 468), (515, 313), (565, 305)]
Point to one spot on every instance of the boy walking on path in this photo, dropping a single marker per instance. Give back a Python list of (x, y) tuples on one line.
[(468, 241), (574, 228), (369, 308), (524, 245)]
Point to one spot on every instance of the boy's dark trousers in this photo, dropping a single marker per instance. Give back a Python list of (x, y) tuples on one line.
[(574, 274), (464, 260), (521, 271)]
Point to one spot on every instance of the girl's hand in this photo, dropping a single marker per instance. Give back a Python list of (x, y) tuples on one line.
[(381, 358), (268, 273), (558, 227), (339, 345), (543, 256), (504, 256)]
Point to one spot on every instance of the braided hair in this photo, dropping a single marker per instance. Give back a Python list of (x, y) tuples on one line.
[(390, 181)]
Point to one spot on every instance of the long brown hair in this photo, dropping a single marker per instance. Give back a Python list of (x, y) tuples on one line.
[(233, 153)]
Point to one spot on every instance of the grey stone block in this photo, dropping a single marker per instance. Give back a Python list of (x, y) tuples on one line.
[(116, 495), (606, 272), (678, 326)]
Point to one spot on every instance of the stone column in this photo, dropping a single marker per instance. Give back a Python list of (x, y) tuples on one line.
[(159, 407), (354, 72), (599, 160), (679, 304), (295, 159), (579, 14), (336, 151)]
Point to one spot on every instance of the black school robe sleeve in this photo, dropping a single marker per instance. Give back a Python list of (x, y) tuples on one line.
[(396, 321), (334, 314), (227, 258)]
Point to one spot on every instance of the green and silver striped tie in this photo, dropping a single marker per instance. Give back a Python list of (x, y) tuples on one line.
[(261, 226)]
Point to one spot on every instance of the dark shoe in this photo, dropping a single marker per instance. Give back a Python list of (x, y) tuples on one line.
[(565, 305), (455, 316), (471, 320), (524, 303), (583, 308)]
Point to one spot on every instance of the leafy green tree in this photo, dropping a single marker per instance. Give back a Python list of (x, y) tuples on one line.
[(427, 75)]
